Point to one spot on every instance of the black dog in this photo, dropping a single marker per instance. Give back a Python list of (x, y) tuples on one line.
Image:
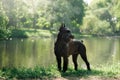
[(66, 46)]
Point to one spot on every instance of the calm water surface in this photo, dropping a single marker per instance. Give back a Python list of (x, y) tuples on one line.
[(39, 52)]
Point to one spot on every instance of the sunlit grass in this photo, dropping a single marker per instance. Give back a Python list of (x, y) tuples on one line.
[(78, 35), (39, 33), (25, 33), (51, 72)]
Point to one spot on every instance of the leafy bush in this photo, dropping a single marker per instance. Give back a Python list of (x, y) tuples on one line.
[(5, 33), (17, 33), (93, 25)]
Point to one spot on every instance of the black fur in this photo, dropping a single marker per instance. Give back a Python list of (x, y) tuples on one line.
[(66, 46)]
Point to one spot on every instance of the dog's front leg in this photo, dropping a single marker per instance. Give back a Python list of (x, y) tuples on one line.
[(59, 62), (65, 63)]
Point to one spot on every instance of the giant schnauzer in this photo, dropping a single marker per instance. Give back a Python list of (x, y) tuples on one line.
[(66, 46)]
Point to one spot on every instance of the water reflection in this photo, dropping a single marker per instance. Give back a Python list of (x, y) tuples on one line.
[(28, 53), (32, 52), (103, 50)]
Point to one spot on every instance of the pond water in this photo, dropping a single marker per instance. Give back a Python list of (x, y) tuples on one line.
[(39, 52)]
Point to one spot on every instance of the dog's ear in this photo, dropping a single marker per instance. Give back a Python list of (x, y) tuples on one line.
[(63, 24), (62, 27)]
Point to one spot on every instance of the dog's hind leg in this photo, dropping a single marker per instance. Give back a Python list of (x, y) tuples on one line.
[(74, 58), (59, 62), (65, 63), (84, 57)]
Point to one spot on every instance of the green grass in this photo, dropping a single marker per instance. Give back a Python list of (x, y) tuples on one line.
[(79, 35), (51, 72), (25, 33)]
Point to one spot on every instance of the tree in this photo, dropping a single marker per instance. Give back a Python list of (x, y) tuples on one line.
[(106, 12), (3, 18), (70, 11), (45, 14)]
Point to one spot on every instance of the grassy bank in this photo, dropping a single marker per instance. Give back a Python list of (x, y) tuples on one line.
[(106, 71), (78, 35), (24, 33)]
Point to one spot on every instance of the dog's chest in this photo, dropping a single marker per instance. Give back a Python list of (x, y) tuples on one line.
[(61, 48)]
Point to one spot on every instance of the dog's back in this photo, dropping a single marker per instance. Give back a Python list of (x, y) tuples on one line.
[(76, 47)]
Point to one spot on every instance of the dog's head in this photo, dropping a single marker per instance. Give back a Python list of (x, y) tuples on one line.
[(64, 33), (62, 28), (67, 36)]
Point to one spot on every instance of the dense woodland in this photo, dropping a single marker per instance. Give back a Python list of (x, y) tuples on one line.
[(100, 17)]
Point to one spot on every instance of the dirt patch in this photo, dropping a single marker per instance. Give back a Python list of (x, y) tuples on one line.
[(88, 78), (100, 78)]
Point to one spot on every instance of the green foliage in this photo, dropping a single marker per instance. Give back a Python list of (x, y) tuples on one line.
[(116, 9), (36, 72), (42, 23), (51, 72), (5, 34), (101, 18), (19, 33), (49, 14), (3, 18), (3, 22), (25, 33), (43, 14), (98, 27)]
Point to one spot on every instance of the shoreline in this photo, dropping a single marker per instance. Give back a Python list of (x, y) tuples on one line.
[(28, 33)]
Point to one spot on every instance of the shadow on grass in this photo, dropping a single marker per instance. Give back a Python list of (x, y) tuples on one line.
[(81, 73), (84, 73)]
